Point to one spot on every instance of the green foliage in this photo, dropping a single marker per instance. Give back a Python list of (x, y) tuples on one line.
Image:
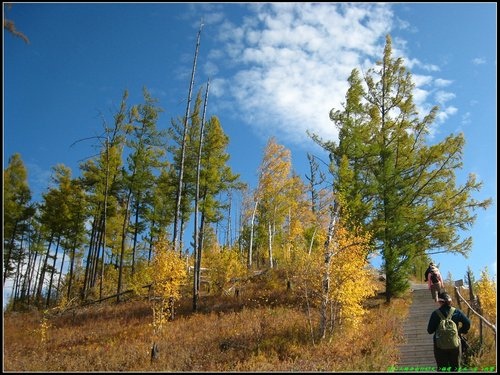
[(16, 210), (402, 189)]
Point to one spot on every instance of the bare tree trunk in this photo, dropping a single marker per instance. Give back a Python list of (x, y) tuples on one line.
[(123, 245), (312, 241), (183, 152), (325, 300), (228, 235), (249, 259), (71, 270), (270, 246), (200, 246), (60, 274), (136, 233), (43, 269), (47, 303), (86, 278), (197, 266), (106, 188)]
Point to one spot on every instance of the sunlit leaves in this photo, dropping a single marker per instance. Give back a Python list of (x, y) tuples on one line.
[(487, 291), (225, 267), (351, 279), (394, 183)]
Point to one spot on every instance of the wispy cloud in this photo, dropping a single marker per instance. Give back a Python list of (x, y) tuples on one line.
[(39, 179), (466, 118), (289, 64), (478, 61), (442, 97), (439, 82)]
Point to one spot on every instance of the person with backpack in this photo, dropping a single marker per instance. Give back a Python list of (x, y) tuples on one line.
[(428, 270), (443, 323), (434, 280)]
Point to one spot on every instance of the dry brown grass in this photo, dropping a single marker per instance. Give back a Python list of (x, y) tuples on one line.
[(265, 329)]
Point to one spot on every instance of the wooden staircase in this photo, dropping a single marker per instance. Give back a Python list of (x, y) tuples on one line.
[(417, 349)]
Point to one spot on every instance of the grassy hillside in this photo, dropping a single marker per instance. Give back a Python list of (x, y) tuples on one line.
[(267, 327)]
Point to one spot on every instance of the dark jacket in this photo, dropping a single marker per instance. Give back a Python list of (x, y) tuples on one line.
[(458, 317), (427, 272)]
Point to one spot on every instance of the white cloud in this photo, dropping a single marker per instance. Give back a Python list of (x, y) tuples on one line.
[(420, 80), (466, 118), (445, 113), (420, 98), (443, 96), (286, 66), (479, 61), (439, 82), (416, 63), (293, 61)]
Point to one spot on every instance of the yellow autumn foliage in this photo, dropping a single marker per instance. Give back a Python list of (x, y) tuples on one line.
[(351, 281), (168, 273), (487, 292), (225, 266)]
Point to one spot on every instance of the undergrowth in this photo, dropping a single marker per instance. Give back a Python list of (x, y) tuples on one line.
[(261, 329)]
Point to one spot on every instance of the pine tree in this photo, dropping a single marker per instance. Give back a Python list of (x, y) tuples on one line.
[(401, 188), (102, 178), (17, 209), (216, 178)]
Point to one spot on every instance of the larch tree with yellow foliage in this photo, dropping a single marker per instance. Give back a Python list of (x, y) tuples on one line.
[(225, 268), (351, 280), (166, 275), (275, 183), (347, 281), (486, 290), (336, 278)]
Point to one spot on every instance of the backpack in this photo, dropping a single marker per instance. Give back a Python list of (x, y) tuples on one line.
[(447, 332), (434, 277)]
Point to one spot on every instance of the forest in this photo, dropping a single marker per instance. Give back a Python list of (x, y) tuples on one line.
[(121, 231)]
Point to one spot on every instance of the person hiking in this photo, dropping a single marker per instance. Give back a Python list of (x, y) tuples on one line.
[(446, 339), (434, 280), (428, 270)]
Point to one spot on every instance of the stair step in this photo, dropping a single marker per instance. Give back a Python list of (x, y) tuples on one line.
[(416, 349)]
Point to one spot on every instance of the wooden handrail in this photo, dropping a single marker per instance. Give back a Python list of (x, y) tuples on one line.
[(492, 326)]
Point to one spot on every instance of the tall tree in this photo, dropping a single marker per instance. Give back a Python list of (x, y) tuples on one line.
[(102, 179), (145, 152), (196, 205), (74, 237), (401, 188), (54, 218), (184, 150), (180, 184), (275, 178), (16, 208), (216, 178), (146, 146)]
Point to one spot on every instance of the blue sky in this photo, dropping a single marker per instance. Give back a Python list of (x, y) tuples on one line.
[(275, 70)]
